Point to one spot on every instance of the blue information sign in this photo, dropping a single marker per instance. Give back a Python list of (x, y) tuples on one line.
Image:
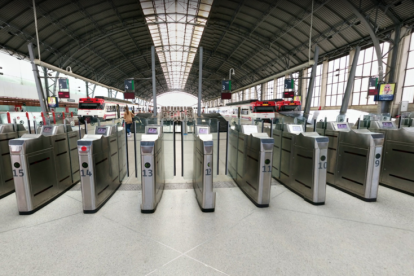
[(129, 85), (226, 85), (63, 84), (289, 83)]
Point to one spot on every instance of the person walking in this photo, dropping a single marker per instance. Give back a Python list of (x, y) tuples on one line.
[(128, 119)]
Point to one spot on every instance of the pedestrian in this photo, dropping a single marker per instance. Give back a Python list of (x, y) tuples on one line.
[(128, 119)]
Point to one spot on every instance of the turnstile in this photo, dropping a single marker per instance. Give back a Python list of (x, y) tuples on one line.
[(42, 166), (300, 161), (252, 153), (7, 132), (354, 159), (152, 168), (203, 170), (99, 158), (398, 156)]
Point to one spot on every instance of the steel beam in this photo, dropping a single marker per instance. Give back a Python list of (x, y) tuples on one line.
[(311, 84), (200, 80), (36, 75), (350, 83), (154, 84)]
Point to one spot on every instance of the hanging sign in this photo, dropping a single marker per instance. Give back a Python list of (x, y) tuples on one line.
[(289, 84), (129, 95), (63, 84), (226, 85), (63, 95), (289, 94), (129, 86), (386, 92), (52, 102), (373, 86), (226, 96)]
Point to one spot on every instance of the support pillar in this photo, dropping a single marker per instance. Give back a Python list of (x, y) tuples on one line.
[(154, 84), (350, 83), (36, 75), (200, 80), (308, 102)]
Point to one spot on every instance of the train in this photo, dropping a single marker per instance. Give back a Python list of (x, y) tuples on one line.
[(252, 110), (104, 108)]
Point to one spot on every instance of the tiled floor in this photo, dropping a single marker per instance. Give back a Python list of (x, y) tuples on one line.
[(292, 237)]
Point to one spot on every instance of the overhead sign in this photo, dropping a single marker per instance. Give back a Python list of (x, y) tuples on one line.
[(129, 95), (386, 92), (289, 83), (63, 95), (63, 84), (373, 86), (52, 102), (226, 96), (226, 85), (129, 86), (289, 94)]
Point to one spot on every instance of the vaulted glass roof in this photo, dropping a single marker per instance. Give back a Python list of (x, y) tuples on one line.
[(176, 27)]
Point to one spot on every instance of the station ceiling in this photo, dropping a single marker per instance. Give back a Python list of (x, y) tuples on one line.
[(110, 40)]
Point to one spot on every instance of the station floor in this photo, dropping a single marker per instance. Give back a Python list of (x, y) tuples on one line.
[(346, 236)]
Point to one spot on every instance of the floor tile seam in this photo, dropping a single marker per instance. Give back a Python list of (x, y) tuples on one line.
[(73, 197), (209, 266), (218, 234), (31, 226), (167, 263), (357, 221), (279, 194), (143, 235)]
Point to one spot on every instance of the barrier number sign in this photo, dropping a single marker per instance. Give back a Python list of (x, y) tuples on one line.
[(144, 173), (18, 173), (208, 171), (86, 173)]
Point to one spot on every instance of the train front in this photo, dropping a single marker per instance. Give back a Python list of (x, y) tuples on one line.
[(263, 110), (91, 110)]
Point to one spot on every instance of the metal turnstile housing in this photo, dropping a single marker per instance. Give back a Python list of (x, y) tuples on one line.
[(398, 156), (354, 160), (253, 155), (42, 166), (152, 168), (300, 161), (203, 172), (99, 167), (7, 132)]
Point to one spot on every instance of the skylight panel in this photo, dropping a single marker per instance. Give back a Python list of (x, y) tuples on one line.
[(176, 27)]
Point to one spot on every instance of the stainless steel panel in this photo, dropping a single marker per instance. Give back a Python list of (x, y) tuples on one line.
[(152, 171), (203, 172), (99, 168)]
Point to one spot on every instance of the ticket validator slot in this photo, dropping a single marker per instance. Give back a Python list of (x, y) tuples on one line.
[(7, 133), (300, 161), (152, 167), (99, 160), (398, 156), (354, 159), (44, 166), (251, 162), (203, 169)]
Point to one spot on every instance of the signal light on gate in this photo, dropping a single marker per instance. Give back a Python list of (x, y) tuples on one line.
[(84, 148)]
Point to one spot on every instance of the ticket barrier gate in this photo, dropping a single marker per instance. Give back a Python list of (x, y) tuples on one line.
[(398, 156), (300, 161), (7, 132), (44, 166), (354, 159), (203, 169), (152, 168), (99, 159), (252, 152)]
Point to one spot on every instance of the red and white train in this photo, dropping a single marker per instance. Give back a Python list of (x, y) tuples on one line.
[(103, 108), (255, 110)]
